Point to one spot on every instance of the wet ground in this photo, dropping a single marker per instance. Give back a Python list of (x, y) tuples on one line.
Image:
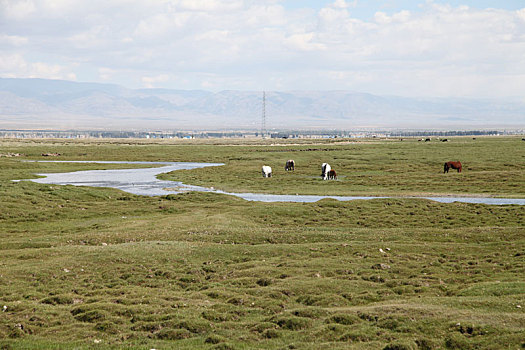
[(144, 181)]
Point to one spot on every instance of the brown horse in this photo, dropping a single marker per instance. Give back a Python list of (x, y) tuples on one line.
[(452, 165), (332, 175)]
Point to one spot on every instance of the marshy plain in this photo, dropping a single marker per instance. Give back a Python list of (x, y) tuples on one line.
[(85, 267)]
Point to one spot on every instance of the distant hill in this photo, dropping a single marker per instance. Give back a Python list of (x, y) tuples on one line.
[(56, 104)]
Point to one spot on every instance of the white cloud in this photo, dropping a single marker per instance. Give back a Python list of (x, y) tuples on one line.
[(15, 66), (246, 44), (106, 73), (382, 18), (521, 14), (18, 9), (211, 5), (12, 65), (12, 40), (401, 16), (160, 24), (304, 42), (149, 82), (333, 15), (94, 38), (342, 4)]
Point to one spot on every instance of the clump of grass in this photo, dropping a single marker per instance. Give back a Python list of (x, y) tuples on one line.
[(358, 335), (292, 323), (87, 315), (173, 334), (310, 312), (457, 341), (426, 344), (261, 327), (58, 300), (327, 300), (106, 326), (345, 319), (214, 339), (224, 346), (402, 345), (194, 326), (215, 316)]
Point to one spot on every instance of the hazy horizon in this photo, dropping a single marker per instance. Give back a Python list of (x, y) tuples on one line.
[(377, 63), (50, 104)]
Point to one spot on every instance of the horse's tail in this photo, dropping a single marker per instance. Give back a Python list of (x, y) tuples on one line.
[(445, 168)]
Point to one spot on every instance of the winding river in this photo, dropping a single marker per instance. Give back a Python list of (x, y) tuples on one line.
[(143, 181)]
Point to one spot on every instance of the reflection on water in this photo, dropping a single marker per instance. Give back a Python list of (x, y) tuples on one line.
[(144, 182)]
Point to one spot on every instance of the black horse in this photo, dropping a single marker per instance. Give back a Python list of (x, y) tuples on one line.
[(290, 165)]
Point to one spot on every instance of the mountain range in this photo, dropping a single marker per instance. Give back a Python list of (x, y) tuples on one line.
[(58, 104)]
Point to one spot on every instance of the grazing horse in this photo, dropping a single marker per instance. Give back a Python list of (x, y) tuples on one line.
[(332, 175), (290, 165), (452, 165), (266, 171), (325, 168)]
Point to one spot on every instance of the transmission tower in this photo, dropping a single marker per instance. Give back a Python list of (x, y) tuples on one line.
[(263, 121)]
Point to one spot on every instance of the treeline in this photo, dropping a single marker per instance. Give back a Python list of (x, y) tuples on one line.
[(445, 133), (113, 134), (242, 134)]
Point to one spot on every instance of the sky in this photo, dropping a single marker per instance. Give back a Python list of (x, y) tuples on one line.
[(427, 48)]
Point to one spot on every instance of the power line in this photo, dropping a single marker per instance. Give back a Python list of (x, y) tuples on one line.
[(263, 121)]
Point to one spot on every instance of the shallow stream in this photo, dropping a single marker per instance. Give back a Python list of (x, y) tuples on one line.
[(143, 181)]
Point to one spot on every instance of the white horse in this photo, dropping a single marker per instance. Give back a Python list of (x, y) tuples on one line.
[(325, 170), (266, 171)]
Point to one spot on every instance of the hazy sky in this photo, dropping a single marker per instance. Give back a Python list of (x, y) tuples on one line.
[(396, 47)]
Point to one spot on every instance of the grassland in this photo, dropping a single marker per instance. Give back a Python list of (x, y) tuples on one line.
[(84, 268)]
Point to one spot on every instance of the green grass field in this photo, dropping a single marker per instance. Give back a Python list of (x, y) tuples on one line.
[(86, 268)]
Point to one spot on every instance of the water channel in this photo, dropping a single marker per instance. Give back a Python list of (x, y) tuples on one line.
[(143, 181)]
